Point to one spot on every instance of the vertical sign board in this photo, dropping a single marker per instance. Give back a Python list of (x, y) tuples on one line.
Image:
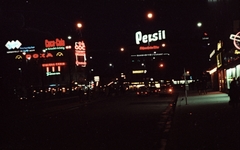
[(80, 53)]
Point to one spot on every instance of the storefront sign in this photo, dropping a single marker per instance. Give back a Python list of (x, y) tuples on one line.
[(148, 38)]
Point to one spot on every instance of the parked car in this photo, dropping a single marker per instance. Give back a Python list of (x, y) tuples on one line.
[(142, 91), (166, 90)]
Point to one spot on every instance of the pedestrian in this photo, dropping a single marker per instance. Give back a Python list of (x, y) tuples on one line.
[(233, 93)]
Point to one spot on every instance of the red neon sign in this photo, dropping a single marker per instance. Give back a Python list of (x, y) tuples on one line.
[(80, 53), (54, 64), (55, 43), (42, 55)]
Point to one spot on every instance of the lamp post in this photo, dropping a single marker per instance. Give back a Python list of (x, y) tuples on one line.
[(185, 74)]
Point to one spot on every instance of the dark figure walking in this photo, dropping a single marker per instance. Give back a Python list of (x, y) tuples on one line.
[(233, 93)]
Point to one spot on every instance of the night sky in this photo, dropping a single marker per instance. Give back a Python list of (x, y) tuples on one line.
[(111, 24)]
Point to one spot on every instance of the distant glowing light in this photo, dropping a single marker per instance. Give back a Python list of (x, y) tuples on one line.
[(150, 15), (199, 24), (79, 25)]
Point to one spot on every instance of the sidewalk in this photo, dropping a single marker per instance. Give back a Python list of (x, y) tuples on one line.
[(206, 122)]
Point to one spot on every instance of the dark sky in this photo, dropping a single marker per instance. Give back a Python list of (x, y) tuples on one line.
[(111, 24)]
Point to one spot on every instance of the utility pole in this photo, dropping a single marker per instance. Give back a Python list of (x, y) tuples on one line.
[(186, 84)]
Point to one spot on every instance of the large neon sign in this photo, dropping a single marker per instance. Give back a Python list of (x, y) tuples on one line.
[(16, 47), (147, 38), (37, 55), (80, 53), (51, 68), (58, 44)]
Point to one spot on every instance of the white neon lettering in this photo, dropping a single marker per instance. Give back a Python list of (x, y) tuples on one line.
[(147, 38), (150, 38), (159, 35), (155, 37), (163, 34), (138, 37), (144, 39)]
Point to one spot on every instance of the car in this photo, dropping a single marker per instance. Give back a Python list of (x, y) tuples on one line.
[(153, 90), (166, 90), (142, 91)]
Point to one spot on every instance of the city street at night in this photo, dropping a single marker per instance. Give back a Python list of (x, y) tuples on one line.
[(121, 122), (120, 74)]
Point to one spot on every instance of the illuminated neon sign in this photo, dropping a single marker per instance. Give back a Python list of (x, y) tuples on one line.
[(37, 56), (148, 47), (80, 53), (58, 44), (54, 64), (236, 40), (139, 71), (13, 44), (52, 73), (147, 38), (51, 68)]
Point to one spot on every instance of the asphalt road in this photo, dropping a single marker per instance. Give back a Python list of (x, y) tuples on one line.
[(125, 122)]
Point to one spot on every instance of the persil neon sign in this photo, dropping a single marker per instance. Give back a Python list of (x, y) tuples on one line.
[(147, 38), (80, 53)]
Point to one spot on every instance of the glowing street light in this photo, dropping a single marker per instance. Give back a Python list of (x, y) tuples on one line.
[(199, 24), (122, 49), (150, 15), (161, 65), (79, 25)]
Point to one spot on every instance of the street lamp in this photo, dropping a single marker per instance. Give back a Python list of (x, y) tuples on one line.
[(199, 24), (150, 15), (79, 25)]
